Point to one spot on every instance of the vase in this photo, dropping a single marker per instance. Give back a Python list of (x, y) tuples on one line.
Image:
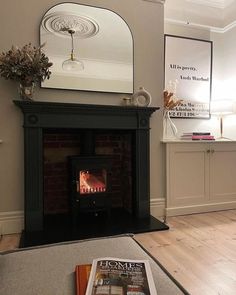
[(26, 91), (142, 97), (169, 128)]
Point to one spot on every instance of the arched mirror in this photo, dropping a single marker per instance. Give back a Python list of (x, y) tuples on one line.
[(91, 49)]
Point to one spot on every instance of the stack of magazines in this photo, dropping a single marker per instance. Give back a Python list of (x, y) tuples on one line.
[(197, 136), (114, 276)]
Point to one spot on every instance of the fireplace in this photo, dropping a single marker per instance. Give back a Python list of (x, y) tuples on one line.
[(88, 124), (89, 177)]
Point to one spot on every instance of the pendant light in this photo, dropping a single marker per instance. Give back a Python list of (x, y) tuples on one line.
[(72, 64)]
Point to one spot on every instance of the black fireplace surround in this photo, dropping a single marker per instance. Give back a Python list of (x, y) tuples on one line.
[(39, 116)]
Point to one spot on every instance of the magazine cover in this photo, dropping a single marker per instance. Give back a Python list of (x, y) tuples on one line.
[(120, 277)]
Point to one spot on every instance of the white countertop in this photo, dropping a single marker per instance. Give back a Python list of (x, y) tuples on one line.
[(197, 141)]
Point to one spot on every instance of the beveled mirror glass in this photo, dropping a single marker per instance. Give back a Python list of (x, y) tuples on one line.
[(91, 49)]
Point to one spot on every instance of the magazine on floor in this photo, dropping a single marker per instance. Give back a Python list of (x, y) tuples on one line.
[(114, 276)]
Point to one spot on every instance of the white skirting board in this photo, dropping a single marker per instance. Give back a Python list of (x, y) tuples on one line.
[(157, 207), (203, 208), (11, 222)]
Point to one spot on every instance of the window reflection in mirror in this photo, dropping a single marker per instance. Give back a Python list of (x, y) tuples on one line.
[(91, 49)]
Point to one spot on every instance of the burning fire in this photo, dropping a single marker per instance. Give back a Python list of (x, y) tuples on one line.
[(91, 182)]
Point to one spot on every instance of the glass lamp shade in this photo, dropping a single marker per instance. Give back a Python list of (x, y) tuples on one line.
[(72, 64), (222, 108)]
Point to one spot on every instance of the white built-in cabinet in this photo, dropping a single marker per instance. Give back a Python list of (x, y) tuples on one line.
[(200, 176)]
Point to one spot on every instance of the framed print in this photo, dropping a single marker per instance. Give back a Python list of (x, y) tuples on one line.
[(188, 74)]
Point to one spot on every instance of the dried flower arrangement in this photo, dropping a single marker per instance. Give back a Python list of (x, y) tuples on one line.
[(170, 102), (26, 65)]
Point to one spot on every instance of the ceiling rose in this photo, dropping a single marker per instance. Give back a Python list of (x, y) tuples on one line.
[(60, 23)]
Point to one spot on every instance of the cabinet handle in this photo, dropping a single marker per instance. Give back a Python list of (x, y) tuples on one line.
[(208, 151), (212, 151)]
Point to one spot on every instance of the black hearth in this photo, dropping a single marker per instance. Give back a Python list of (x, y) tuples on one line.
[(101, 219)]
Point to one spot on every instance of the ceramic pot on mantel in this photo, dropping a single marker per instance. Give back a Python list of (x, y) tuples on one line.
[(26, 91)]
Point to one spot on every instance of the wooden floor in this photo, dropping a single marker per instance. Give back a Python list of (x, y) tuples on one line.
[(199, 251), (9, 242)]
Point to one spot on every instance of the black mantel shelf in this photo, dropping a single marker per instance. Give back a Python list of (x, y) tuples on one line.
[(32, 105), (40, 116)]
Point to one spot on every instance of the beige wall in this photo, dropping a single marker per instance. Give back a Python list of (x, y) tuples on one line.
[(20, 22), (186, 31)]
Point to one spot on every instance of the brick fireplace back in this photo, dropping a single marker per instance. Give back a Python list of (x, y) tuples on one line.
[(61, 147)]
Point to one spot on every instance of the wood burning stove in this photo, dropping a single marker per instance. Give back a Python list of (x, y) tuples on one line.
[(89, 178)]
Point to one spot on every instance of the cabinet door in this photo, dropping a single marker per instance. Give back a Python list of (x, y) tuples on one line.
[(223, 172), (187, 174)]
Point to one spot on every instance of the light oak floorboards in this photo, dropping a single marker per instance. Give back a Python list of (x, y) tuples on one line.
[(9, 242), (199, 251)]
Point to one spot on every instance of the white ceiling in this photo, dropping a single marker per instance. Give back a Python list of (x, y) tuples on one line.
[(213, 3), (209, 13), (113, 41)]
